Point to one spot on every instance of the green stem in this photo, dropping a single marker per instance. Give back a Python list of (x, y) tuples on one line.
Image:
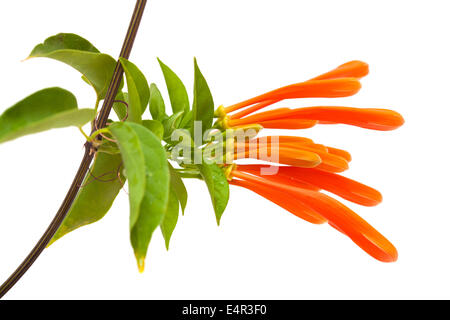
[(190, 176)]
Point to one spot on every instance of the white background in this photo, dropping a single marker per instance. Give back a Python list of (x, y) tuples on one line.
[(260, 251)]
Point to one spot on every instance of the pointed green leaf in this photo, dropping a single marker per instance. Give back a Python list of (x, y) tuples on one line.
[(177, 91), (137, 143), (64, 41), (97, 68), (100, 188), (171, 123), (203, 106), (178, 196), (171, 217), (109, 148), (138, 91), (120, 107), (157, 106), (178, 187), (44, 110), (132, 152), (186, 123), (154, 126), (218, 187)]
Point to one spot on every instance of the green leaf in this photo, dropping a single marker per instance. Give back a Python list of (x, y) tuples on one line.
[(109, 148), (178, 196), (132, 152), (65, 41), (138, 91), (157, 106), (171, 124), (44, 110), (218, 187), (171, 217), (100, 188), (154, 126), (178, 187), (142, 151), (203, 106), (97, 68), (186, 123), (120, 107), (177, 91)]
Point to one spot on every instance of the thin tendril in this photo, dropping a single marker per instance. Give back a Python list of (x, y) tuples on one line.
[(100, 133), (127, 108), (97, 178), (106, 138), (126, 116), (120, 180)]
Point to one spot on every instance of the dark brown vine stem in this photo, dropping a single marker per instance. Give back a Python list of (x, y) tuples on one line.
[(88, 156)]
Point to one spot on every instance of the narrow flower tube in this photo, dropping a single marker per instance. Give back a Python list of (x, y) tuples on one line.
[(329, 162), (268, 115), (287, 124), (341, 153), (255, 169), (369, 118), (346, 188), (287, 149), (253, 108), (332, 88), (292, 205), (338, 215), (290, 141), (286, 155), (353, 69)]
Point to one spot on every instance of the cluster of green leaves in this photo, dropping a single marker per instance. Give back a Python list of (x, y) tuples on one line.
[(137, 149)]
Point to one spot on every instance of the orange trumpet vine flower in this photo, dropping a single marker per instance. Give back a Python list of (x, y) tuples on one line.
[(298, 191), (293, 151), (310, 168), (340, 82)]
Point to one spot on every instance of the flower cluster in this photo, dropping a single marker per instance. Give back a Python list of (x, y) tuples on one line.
[(308, 168)]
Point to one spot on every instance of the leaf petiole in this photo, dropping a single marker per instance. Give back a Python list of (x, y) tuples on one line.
[(97, 103), (189, 173), (84, 134), (96, 133)]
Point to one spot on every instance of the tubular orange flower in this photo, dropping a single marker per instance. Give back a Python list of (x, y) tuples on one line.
[(341, 153), (369, 118), (329, 88), (344, 187), (278, 197), (308, 168), (315, 205), (287, 124), (352, 69), (286, 155), (340, 82), (298, 153)]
